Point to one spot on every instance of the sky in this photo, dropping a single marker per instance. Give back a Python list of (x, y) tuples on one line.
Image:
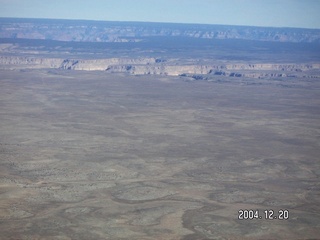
[(273, 13)]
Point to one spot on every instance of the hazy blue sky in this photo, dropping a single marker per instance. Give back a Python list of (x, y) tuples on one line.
[(279, 13)]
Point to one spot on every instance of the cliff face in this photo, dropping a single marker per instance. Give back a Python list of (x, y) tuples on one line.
[(153, 66), (104, 64), (97, 31), (234, 70), (29, 62)]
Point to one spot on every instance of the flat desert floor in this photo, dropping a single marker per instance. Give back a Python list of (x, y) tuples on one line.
[(90, 155)]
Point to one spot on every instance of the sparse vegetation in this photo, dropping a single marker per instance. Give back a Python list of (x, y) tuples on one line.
[(126, 155)]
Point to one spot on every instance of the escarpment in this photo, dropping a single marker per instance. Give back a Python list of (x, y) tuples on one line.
[(10, 62), (107, 31), (155, 66), (104, 64)]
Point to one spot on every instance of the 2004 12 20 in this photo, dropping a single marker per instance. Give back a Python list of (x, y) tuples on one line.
[(269, 214)]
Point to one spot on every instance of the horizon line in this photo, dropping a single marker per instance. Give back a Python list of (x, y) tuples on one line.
[(152, 22)]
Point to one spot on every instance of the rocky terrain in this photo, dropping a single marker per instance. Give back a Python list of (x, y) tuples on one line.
[(98, 31), (172, 67), (160, 49)]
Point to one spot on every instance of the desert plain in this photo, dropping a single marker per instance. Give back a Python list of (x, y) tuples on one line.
[(153, 155)]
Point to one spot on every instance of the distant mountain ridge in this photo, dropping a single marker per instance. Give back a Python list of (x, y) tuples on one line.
[(107, 31)]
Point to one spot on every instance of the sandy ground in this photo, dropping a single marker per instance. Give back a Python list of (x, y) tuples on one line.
[(85, 155)]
